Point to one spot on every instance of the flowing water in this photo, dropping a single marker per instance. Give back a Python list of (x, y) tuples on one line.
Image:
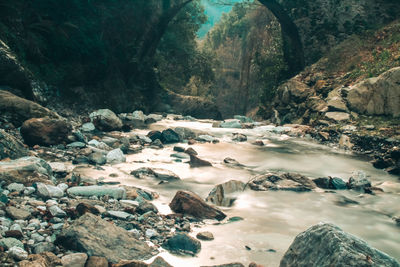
[(273, 218)]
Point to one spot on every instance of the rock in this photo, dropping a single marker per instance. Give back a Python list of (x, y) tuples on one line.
[(180, 155), (232, 162), (231, 124), (207, 138), (185, 133), (105, 120), (45, 259), (223, 194), (287, 181), (206, 236), (74, 260), (18, 253), (55, 211), (14, 233), (161, 174), (359, 182), (345, 142), (88, 127), (45, 131), (119, 215), (10, 242), (258, 143), (335, 101), (112, 242), (325, 244), (186, 202), (10, 147), (115, 156), (169, 136), (17, 214), (15, 187), (338, 116), (76, 145), (243, 119), (19, 109), (338, 183), (179, 149), (98, 191), (95, 261), (293, 91), (154, 135), (183, 243), (197, 162), (151, 118), (82, 208), (235, 264), (238, 137), (190, 151), (97, 158), (49, 191), (377, 96), (44, 247), (138, 119), (145, 207)]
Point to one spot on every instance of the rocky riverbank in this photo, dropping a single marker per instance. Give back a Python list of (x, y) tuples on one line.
[(52, 214)]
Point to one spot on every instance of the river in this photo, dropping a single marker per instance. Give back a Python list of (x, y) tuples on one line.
[(271, 219)]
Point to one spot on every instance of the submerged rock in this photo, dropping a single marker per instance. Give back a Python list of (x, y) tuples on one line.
[(189, 203), (96, 237), (287, 181), (197, 162), (327, 245), (223, 194)]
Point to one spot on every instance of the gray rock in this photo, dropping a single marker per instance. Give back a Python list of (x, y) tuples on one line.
[(105, 120), (358, 181), (161, 174), (17, 214), (49, 191), (231, 124), (183, 243), (185, 133), (18, 253), (29, 190), (74, 260), (151, 233), (57, 212), (119, 215), (76, 145), (116, 156), (327, 245), (88, 127), (98, 191), (169, 136), (24, 170), (44, 247), (15, 187), (243, 119), (338, 116), (206, 236), (112, 242), (97, 158), (239, 137), (225, 194), (287, 181), (10, 242), (198, 162), (206, 138), (180, 155), (10, 147)]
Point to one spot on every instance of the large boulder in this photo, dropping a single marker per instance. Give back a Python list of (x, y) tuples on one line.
[(327, 245), (96, 237), (286, 181), (105, 120), (189, 203), (17, 109), (293, 91), (377, 96), (25, 170), (45, 131), (10, 147), (225, 194)]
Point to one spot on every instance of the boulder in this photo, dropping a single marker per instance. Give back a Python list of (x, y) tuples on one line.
[(115, 156), (224, 194), (98, 191), (293, 91), (154, 135), (183, 243), (17, 109), (74, 260), (112, 242), (327, 245), (287, 181), (335, 101), (161, 174), (377, 96), (11, 147), (105, 120), (45, 131), (25, 170), (338, 116), (197, 162), (169, 136), (189, 203)]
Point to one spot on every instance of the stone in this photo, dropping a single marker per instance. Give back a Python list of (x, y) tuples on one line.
[(345, 142), (179, 149), (326, 245), (169, 136), (189, 203), (338, 183), (49, 191), (45, 131), (358, 181), (17, 214), (206, 138), (197, 162), (98, 191), (10, 242), (293, 91), (231, 124), (138, 119), (190, 151), (185, 133), (76, 145), (112, 242), (161, 174), (11, 147), (20, 109), (105, 120), (234, 264), (206, 236), (151, 118), (82, 208), (243, 119), (55, 211), (95, 261), (120, 215), (44, 247), (16, 187), (115, 156), (74, 260), (288, 182), (88, 127), (59, 167), (154, 135), (338, 116), (182, 243), (145, 207), (377, 96), (180, 155), (224, 194), (238, 137), (18, 253), (335, 101), (97, 158)]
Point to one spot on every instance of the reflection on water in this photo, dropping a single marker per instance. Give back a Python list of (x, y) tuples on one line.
[(271, 219)]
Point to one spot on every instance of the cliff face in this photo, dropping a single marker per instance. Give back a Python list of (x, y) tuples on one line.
[(322, 24)]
